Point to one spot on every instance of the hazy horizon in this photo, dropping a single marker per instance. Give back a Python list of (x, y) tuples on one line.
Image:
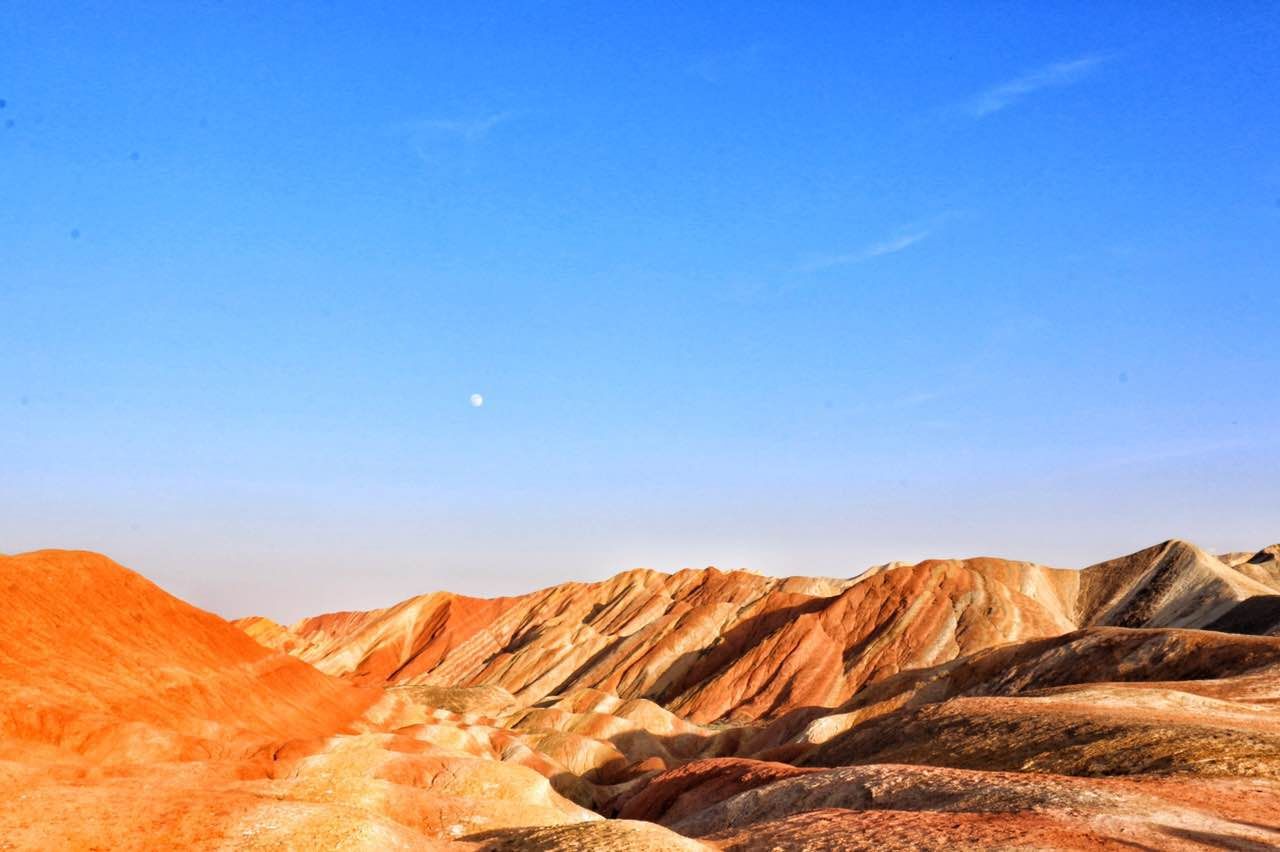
[(399, 583), (799, 291)]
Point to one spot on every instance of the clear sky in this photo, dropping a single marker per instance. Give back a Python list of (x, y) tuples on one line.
[(795, 287)]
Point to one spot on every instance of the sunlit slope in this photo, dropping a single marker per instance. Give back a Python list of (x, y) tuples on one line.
[(713, 645), (706, 644), (132, 720), (95, 658)]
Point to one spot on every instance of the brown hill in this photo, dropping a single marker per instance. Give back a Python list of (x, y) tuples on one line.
[(1263, 566), (1181, 720), (1188, 659), (706, 644), (748, 805), (711, 645), (1174, 584), (1099, 702), (952, 703), (1257, 616)]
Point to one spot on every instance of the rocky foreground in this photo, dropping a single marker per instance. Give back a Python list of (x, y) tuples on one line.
[(957, 704)]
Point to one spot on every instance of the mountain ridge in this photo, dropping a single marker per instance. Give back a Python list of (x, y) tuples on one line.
[(928, 706), (713, 645)]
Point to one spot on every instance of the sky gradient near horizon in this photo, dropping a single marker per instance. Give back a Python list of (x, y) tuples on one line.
[(753, 285)]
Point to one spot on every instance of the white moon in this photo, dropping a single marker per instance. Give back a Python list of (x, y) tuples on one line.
[(476, 400)]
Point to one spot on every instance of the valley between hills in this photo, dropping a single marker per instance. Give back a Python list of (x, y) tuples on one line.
[(951, 704)]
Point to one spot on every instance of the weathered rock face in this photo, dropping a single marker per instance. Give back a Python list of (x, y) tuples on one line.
[(706, 644), (736, 646), (1174, 584), (912, 807), (1184, 662), (949, 704), (691, 789)]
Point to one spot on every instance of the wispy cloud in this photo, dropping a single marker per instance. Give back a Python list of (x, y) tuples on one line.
[(451, 145), (911, 400), (1057, 75), (467, 129), (893, 245)]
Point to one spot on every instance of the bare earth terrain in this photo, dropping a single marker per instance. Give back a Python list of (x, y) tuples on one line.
[(952, 704)]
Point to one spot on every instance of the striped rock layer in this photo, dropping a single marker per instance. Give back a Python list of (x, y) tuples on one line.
[(711, 645)]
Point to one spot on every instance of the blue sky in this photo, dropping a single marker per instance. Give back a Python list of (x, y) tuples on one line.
[(795, 289)]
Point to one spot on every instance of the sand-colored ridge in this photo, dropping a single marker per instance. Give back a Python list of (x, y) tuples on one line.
[(1174, 584), (705, 643)]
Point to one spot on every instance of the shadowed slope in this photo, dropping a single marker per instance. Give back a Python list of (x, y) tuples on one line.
[(1174, 584), (913, 807), (1257, 616), (1101, 701)]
